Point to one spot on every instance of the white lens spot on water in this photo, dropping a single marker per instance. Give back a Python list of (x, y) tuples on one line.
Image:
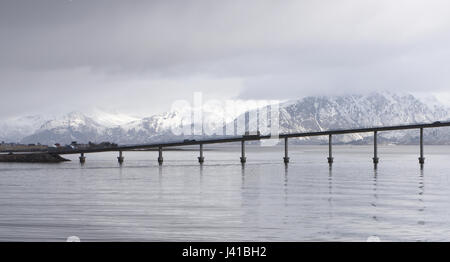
[(373, 239), (73, 239)]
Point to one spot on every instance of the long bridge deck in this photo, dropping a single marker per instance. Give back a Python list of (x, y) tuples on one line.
[(244, 138), (254, 137)]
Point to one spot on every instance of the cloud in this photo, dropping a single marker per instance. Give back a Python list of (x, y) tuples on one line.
[(142, 55)]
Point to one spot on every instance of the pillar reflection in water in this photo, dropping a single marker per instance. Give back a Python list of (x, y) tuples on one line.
[(375, 193)]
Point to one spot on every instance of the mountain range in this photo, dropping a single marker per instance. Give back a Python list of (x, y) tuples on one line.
[(313, 113)]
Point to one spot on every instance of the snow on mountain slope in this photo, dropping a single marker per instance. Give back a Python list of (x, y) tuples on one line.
[(321, 113), (340, 112), (14, 129), (74, 126), (149, 129), (110, 119), (308, 114), (74, 121)]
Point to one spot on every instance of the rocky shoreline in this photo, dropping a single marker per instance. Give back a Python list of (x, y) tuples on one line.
[(32, 158)]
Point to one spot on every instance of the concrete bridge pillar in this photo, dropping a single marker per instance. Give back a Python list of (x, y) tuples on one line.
[(243, 158), (286, 155), (160, 157), (330, 150), (82, 158), (421, 158), (201, 159), (120, 158), (375, 150)]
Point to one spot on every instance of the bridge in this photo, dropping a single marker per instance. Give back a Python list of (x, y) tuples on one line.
[(244, 138)]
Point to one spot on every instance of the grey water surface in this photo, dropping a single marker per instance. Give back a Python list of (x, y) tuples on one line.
[(225, 201)]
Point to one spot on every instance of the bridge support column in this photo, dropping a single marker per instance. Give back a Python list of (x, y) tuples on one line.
[(160, 157), (82, 158), (201, 159), (330, 150), (243, 158), (286, 155), (120, 158), (421, 158), (375, 150)]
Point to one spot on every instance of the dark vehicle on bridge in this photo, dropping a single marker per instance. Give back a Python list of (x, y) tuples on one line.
[(248, 135)]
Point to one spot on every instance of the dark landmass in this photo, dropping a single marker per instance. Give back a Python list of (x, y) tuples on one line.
[(32, 158)]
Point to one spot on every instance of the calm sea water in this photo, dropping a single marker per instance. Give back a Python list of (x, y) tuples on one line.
[(224, 201)]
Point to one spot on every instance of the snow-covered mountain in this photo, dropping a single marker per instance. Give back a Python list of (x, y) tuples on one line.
[(307, 114), (14, 129), (110, 119), (74, 126), (353, 111), (149, 129)]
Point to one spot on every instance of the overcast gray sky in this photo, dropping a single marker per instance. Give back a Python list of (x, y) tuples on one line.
[(139, 56)]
